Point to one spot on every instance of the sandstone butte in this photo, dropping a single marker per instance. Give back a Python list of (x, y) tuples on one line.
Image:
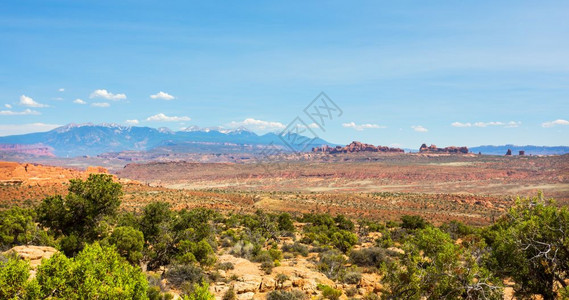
[(356, 147), (435, 149)]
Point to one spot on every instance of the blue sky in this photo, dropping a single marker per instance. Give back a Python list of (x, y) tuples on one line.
[(403, 72)]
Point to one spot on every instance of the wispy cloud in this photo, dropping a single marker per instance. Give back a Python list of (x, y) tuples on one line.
[(460, 124), (11, 129), (260, 125), (7, 105), (19, 113), (555, 123), (361, 127), (107, 95), (61, 90), (486, 124), (100, 104), (132, 122), (511, 124), (164, 118), (29, 102), (419, 128), (79, 101), (162, 96)]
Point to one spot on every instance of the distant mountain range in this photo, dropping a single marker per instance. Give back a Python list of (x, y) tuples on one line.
[(529, 150), (90, 139)]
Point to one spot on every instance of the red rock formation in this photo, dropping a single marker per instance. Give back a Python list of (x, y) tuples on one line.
[(356, 147), (13, 173), (96, 170), (33, 149), (434, 149)]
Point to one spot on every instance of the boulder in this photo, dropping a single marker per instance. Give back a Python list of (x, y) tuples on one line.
[(246, 296), (33, 254)]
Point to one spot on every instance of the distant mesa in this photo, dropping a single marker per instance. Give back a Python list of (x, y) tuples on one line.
[(32, 149), (434, 149), (355, 147), (509, 152)]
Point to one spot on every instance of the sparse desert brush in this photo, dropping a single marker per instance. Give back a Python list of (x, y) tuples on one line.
[(287, 295)]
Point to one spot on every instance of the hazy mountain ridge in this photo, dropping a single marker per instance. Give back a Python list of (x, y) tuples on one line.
[(529, 149), (91, 139)]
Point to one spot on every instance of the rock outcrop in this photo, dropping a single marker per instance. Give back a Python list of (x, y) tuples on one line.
[(32, 254), (356, 147), (13, 173), (434, 149)]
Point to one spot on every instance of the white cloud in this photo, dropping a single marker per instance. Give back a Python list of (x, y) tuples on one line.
[(19, 113), (100, 104), (164, 118), (555, 123), (163, 96), (253, 124), (107, 95), (419, 128), (361, 127), (486, 124), (10, 129), (511, 124), (27, 101), (459, 124), (79, 101), (61, 90), (7, 105), (132, 122)]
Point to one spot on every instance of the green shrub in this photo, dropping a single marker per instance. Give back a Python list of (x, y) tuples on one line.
[(370, 296), (200, 292), (368, 257), (280, 279), (129, 243), (457, 229), (351, 292), (286, 295), (17, 227), (352, 277), (325, 230), (226, 266), (14, 274), (332, 264), (285, 222), (329, 292), (96, 272), (177, 275), (267, 266), (229, 294), (413, 222), (296, 248), (82, 213)]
